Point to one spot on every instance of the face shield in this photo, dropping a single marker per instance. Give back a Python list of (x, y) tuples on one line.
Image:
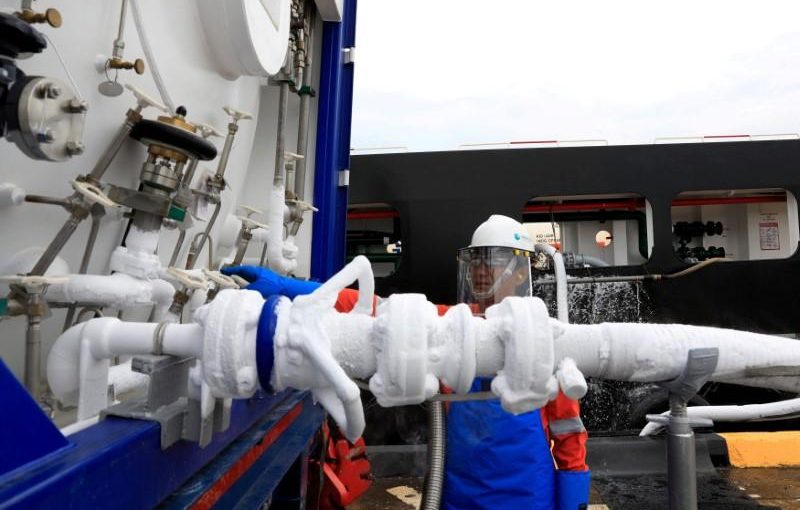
[(488, 274)]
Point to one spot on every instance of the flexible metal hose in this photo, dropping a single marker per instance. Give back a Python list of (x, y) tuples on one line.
[(437, 452)]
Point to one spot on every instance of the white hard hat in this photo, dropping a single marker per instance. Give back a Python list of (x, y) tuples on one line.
[(502, 231)]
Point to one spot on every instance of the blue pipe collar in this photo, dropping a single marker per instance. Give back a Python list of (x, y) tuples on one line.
[(265, 340)]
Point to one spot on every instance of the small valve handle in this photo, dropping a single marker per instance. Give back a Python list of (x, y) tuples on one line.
[(143, 100), (237, 115), (117, 63), (51, 16), (187, 279), (222, 281), (291, 156), (241, 282), (32, 282), (302, 205), (249, 211), (206, 130), (93, 194), (252, 224)]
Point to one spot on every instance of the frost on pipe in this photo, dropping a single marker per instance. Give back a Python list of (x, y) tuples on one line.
[(750, 412), (405, 349)]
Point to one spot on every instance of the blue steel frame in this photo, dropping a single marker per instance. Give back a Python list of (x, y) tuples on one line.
[(333, 146), (119, 464)]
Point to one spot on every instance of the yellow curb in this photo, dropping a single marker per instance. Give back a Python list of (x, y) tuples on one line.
[(763, 449)]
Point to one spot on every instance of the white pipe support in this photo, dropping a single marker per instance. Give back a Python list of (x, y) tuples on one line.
[(561, 279), (733, 413), (124, 380)]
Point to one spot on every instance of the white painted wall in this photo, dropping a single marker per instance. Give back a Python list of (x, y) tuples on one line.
[(192, 77)]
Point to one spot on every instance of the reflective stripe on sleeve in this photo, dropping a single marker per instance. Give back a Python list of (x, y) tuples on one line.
[(566, 426)]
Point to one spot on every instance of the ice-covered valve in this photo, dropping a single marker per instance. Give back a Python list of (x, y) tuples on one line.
[(526, 381), (303, 356), (403, 376)]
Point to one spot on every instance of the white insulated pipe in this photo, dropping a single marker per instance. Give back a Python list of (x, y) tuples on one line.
[(658, 352), (561, 279), (406, 346), (747, 412), (117, 290), (108, 337), (281, 253)]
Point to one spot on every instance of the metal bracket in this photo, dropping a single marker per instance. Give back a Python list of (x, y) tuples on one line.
[(167, 402), (344, 177), (700, 364), (349, 55)]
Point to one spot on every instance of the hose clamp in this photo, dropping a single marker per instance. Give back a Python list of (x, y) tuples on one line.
[(158, 338)]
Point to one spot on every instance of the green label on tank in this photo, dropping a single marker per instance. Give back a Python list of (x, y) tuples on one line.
[(3, 307)]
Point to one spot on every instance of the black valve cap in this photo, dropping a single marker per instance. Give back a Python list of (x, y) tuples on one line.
[(181, 110)]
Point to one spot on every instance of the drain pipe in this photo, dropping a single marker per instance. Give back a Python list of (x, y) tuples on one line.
[(281, 254), (561, 279), (306, 93)]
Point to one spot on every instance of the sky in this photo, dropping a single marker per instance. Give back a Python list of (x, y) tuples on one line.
[(435, 74)]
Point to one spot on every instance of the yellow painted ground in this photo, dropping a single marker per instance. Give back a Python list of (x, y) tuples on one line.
[(763, 449)]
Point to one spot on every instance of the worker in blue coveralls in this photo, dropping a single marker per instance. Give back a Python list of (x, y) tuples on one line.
[(495, 460)]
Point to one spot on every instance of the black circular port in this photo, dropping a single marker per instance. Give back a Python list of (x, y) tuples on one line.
[(150, 131)]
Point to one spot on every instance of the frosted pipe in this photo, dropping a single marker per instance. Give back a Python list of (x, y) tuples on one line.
[(118, 290), (406, 346), (657, 352), (281, 255), (359, 270), (108, 337), (561, 280), (733, 413), (148, 54)]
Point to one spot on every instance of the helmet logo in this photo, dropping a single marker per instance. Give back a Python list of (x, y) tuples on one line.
[(516, 236)]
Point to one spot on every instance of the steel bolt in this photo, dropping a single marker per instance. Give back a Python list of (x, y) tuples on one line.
[(76, 106), (75, 148), (52, 91), (46, 136)]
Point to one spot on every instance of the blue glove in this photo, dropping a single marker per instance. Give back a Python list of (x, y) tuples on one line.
[(572, 489), (269, 283)]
